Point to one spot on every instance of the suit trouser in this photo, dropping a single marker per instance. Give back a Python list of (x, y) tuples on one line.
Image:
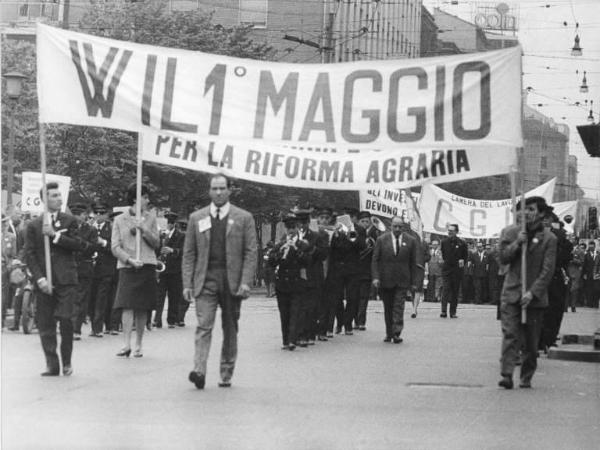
[(593, 293), (451, 285), (80, 310), (290, 304), (50, 308), (102, 286), (481, 289), (364, 292), (171, 285), (343, 286), (553, 315), (310, 313), (516, 336), (215, 292), (393, 309), (323, 309)]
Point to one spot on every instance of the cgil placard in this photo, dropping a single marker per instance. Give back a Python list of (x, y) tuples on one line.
[(477, 219)]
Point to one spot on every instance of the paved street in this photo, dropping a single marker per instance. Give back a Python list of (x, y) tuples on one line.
[(437, 390)]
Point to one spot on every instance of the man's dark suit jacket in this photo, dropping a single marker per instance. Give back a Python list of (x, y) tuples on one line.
[(62, 254), (173, 261), (106, 263), (85, 265), (395, 270), (453, 249), (315, 253), (480, 265)]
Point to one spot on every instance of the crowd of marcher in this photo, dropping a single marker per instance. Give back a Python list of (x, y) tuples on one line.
[(116, 273)]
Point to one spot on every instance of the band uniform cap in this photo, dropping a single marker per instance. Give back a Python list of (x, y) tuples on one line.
[(289, 219), (100, 208), (364, 215), (77, 208), (171, 217), (325, 211), (351, 211)]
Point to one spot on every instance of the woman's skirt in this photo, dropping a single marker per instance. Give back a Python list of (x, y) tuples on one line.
[(137, 288)]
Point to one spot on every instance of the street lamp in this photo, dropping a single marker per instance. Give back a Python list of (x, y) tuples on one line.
[(14, 82)]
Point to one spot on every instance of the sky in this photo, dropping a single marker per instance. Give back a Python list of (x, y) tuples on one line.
[(550, 70)]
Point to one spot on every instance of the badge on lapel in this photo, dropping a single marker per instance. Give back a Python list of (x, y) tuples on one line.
[(230, 222), (204, 224)]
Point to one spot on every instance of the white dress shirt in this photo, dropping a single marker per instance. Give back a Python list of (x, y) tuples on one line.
[(223, 210)]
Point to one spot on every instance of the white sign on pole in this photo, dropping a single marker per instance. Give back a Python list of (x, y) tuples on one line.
[(32, 183), (476, 219)]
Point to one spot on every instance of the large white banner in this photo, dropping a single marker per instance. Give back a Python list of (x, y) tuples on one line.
[(397, 123), (32, 183), (477, 219)]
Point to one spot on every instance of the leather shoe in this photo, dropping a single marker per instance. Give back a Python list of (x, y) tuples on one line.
[(292, 347), (413, 315), (338, 330), (50, 373), (225, 384), (302, 344), (525, 384), (198, 379), (506, 383), (443, 315), (454, 316), (329, 334), (125, 353), (349, 333), (67, 370), (322, 338), (362, 327), (387, 339), (397, 339)]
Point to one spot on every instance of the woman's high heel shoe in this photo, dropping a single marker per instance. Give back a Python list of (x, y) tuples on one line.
[(138, 353), (125, 353)]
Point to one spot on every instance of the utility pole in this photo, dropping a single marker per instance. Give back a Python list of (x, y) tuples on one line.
[(329, 48), (65, 15)]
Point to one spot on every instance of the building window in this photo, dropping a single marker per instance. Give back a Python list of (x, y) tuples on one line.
[(544, 162), (254, 12)]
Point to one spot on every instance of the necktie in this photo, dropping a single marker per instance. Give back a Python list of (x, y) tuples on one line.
[(397, 246), (218, 213), (53, 220)]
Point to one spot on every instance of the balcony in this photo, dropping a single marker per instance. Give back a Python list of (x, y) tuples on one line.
[(25, 14)]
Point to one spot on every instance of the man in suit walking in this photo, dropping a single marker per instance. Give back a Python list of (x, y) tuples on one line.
[(454, 254), (591, 275), (85, 270), (219, 261), (56, 303), (315, 248), (479, 261), (104, 275), (393, 269), (540, 262), (169, 281)]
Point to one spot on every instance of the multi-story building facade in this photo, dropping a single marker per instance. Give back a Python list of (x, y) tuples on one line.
[(308, 31), (546, 148)]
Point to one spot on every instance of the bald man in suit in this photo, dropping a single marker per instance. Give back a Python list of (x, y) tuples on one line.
[(218, 266)]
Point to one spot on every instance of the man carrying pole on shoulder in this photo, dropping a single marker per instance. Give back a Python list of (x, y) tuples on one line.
[(540, 259), (56, 300)]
